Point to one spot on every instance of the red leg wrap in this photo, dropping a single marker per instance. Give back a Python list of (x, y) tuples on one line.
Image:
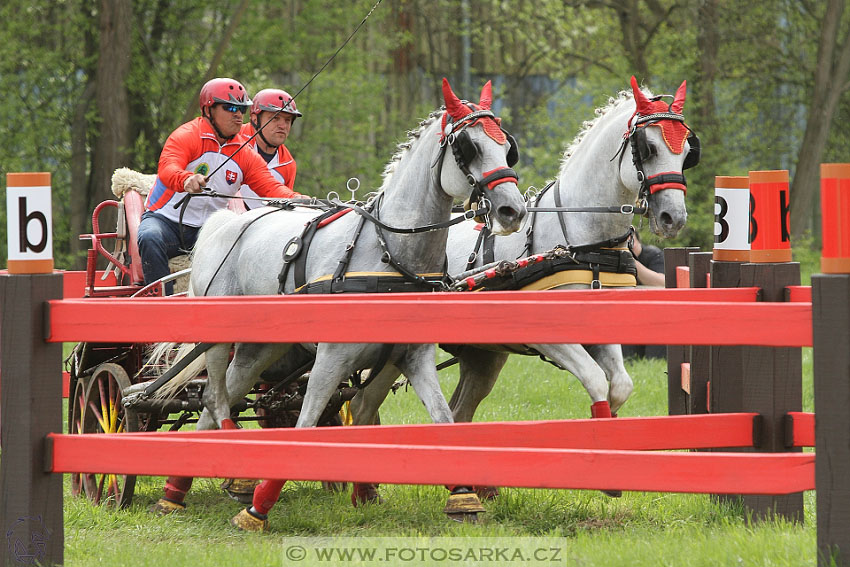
[(228, 424), (266, 494), (600, 409), (176, 487)]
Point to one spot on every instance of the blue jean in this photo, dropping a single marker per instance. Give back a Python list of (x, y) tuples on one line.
[(159, 240)]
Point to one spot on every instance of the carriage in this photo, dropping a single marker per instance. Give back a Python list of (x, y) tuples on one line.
[(110, 384), (652, 179)]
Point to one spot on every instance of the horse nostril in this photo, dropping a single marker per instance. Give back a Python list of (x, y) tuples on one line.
[(666, 220), (510, 214)]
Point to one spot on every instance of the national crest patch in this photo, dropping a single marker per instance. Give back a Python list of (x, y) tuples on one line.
[(230, 177)]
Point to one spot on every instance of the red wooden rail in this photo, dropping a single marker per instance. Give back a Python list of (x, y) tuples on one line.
[(557, 316), (799, 429), (163, 454), (625, 433)]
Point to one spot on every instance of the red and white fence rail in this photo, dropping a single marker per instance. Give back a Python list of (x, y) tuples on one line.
[(742, 348), (579, 454)]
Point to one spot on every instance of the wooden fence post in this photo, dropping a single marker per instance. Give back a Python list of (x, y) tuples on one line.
[(698, 264), (31, 506), (677, 399), (831, 326), (772, 386), (831, 335)]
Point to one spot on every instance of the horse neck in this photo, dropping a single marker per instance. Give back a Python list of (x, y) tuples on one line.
[(413, 198), (590, 178)]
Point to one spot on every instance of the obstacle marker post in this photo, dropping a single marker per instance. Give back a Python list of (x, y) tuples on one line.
[(31, 505), (831, 335)]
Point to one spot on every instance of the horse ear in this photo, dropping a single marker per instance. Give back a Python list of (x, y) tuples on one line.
[(486, 96), (643, 104), (679, 99), (454, 107)]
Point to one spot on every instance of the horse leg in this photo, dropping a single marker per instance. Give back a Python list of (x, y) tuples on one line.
[(176, 487), (419, 366), (364, 411), (479, 369), (215, 397), (610, 358), (577, 360), (249, 361), (334, 364)]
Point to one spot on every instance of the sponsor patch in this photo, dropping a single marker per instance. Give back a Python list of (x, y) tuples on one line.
[(203, 169)]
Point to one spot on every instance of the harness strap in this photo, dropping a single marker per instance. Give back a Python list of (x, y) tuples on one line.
[(561, 220), (294, 251), (418, 229), (379, 282), (346, 256)]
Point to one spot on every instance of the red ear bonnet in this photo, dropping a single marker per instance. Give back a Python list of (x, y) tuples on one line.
[(454, 106), (675, 133), (458, 110), (486, 96), (679, 99)]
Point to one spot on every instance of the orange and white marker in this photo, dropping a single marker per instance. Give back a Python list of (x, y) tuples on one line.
[(770, 208), (835, 215), (29, 223), (731, 218)]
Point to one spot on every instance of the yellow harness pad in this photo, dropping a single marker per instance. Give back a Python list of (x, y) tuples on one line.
[(607, 279)]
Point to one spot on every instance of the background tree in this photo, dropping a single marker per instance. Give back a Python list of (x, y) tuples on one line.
[(95, 86)]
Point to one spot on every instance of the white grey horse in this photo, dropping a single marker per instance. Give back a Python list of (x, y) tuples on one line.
[(635, 150), (454, 153)]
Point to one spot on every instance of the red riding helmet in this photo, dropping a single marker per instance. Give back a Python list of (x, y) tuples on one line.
[(272, 100), (223, 90)]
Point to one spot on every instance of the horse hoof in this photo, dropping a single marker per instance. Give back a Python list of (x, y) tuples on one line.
[(240, 489), (166, 506), (365, 493), (487, 492), (331, 486), (247, 521), (463, 505), (613, 493)]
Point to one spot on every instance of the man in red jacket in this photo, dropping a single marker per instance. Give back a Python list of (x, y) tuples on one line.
[(272, 114), (190, 155)]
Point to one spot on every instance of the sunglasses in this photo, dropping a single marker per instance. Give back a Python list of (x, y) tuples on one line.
[(234, 108)]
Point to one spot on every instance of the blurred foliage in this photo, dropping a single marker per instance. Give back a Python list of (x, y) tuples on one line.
[(552, 63)]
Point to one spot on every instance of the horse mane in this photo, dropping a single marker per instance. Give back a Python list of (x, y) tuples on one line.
[(613, 103), (404, 147)]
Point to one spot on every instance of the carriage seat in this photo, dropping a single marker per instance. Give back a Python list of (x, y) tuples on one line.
[(130, 188)]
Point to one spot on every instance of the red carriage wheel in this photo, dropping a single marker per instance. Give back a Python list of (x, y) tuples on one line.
[(76, 408), (104, 413)]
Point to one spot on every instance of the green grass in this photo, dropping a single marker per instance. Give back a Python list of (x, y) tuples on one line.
[(639, 529)]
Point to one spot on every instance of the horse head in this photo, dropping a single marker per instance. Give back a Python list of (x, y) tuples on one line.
[(483, 154), (662, 147)]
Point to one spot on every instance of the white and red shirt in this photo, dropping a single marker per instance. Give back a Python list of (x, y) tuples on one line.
[(282, 165), (194, 148)]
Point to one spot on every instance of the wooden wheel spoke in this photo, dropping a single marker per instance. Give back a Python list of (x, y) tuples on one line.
[(97, 415)]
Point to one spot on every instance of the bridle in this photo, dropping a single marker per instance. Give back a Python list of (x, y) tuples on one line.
[(464, 150), (635, 137)]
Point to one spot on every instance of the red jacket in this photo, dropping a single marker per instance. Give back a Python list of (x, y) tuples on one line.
[(194, 148)]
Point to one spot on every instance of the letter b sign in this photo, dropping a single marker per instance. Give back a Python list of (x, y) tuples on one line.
[(29, 223)]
